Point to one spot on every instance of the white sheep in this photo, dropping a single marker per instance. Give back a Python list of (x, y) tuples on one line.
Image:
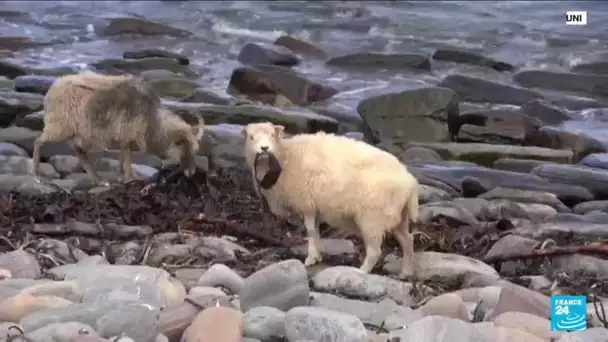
[(89, 109), (346, 183)]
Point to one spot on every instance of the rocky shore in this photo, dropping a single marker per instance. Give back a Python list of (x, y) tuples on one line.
[(513, 209)]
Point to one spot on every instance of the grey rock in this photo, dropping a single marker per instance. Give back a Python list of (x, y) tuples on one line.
[(295, 120), (266, 82), (222, 144), (596, 160), (439, 329), (593, 179), (282, 285), (121, 26), (174, 88), (69, 290), (545, 111), (467, 57), (589, 335), (219, 248), (385, 313), (580, 144), (222, 275), (264, 323), (21, 264), (351, 282), (152, 52), (323, 325), (395, 119), (208, 96), (36, 84), (11, 150), (260, 53), (67, 331), (563, 81), (475, 89), (300, 47), (379, 61), (207, 291), (137, 66), (446, 268), (586, 207), (139, 322), (24, 166)]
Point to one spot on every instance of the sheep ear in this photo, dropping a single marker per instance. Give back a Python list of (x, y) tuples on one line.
[(279, 129)]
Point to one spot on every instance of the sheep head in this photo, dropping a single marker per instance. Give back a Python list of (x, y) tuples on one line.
[(183, 142)]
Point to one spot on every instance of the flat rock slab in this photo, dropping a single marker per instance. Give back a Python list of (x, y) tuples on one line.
[(487, 154)]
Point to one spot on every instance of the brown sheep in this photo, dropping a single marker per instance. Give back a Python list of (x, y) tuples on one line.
[(90, 109)]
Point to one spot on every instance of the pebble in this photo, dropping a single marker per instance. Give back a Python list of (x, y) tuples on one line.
[(216, 324), (264, 323), (222, 275)]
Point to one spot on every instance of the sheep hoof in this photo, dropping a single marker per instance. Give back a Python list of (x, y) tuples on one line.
[(312, 259)]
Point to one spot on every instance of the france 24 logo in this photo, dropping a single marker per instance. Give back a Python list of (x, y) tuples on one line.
[(568, 313)]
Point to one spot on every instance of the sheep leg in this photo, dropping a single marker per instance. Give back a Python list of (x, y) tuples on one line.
[(314, 241), (81, 153), (372, 239), (38, 143), (126, 163), (406, 241)]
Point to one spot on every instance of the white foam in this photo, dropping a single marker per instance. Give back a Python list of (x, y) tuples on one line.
[(221, 26)]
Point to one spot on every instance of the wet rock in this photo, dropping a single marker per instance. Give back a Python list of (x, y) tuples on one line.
[(449, 269), (582, 228), (221, 144), (136, 26), (294, 120), (517, 165), (260, 53), (68, 331), (219, 249), (413, 115), (545, 111), (581, 144), (222, 275), (526, 196), (21, 264), (6, 84), (8, 150), (200, 291), (173, 88), (511, 245), (596, 160), (12, 70), (151, 52), (282, 285), (487, 154), (265, 83), (494, 127), (68, 290), (65, 164), (323, 325), (517, 298), (474, 89), (139, 322), (592, 179), (474, 181), (165, 252), (461, 56), (585, 207), (349, 120), (563, 81), (207, 96), (365, 60), (438, 329), (385, 313), (429, 194), (457, 214), (415, 154), (215, 324), (13, 107), (35, 84), (300, 47), (153, 286), (597, 67), (13, 309), (264, 323), (33, 121), (350, 282), (19, 43), (589, 335), (527, 322), (446, 305), (137, 66)]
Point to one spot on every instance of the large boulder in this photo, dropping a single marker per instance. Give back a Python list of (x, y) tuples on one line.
[(421, 114)]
